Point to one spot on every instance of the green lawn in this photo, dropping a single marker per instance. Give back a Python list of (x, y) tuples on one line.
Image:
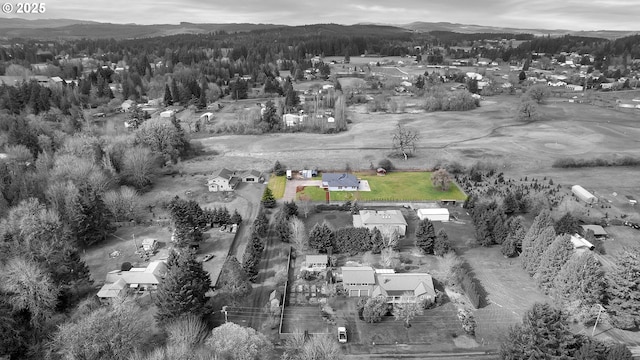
[(395, 186), (277, 185)]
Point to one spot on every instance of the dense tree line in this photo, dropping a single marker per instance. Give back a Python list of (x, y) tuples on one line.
[(545, 334)]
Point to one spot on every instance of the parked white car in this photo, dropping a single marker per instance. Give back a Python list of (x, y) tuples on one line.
[(342, 334)]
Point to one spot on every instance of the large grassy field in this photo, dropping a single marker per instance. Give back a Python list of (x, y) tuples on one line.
[(396, 186), (277, 185)]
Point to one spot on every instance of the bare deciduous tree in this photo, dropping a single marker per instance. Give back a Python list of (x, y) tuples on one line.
[(389, 257), (30, 288), (390, 237), (440, 178), (527, 111), (298, 233), (140, 167), (124, 203), (407, 308), (404, 140)]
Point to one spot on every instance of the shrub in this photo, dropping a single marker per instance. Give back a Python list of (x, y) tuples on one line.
[(468, 321)]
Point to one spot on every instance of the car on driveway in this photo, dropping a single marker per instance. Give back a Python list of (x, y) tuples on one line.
[(342, 334)]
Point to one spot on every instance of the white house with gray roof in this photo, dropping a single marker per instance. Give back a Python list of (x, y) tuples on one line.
[(340, 182), (382, 219)]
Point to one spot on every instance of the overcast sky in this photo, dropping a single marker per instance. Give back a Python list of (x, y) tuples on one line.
[(545, 14)]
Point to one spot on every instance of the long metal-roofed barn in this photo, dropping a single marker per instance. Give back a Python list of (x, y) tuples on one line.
[(583, 194)]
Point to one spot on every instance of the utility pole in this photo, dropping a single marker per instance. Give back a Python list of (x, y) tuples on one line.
[(597, 319)]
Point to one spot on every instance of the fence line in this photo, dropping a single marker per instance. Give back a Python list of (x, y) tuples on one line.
[(284, 296), (156, 222)]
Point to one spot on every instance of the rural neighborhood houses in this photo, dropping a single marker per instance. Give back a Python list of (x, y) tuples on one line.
[(139, 279), (228, 180), (384, 220)]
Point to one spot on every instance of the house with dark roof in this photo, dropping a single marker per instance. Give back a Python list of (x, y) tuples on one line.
[(223, 180), (598, 231), (340, 182), (390, 220)]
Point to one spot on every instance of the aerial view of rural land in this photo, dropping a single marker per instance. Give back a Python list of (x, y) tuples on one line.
[(278, 180)]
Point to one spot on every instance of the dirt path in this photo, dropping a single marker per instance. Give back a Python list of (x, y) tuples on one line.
[(272, 259)]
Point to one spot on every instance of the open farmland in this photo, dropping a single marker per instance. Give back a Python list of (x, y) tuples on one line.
[(488, 133)]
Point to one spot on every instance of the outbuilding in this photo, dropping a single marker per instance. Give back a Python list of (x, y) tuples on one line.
[(598, 231), (583, 194), (580, 243), (433, 214)]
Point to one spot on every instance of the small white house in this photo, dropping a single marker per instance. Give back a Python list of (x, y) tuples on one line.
[(433, 214), (316, 262), (167, 113)]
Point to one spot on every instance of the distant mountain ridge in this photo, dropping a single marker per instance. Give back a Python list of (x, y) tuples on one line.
[(470, 29), (69, 29)]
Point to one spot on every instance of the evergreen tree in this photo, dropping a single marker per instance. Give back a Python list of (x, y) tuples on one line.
[(624, 290), (290, 208), (581, 279), (420, 82), (509, 204), (261, 224), (512, 245), (441, 245), (189, 221), (270, 117), (202, 100), (236, 218), (619, 352), (377, 241), (541, 222), (552, 261), (321, 237), (425, 236), (268, 200), (543, 334), (567, 225), (282, 226), (95, 222), (533, 257), (234, 280), (175, 92), (183, 290), (168, 99)]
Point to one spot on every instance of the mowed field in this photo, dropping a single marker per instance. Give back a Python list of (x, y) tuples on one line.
[(395, 186)]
